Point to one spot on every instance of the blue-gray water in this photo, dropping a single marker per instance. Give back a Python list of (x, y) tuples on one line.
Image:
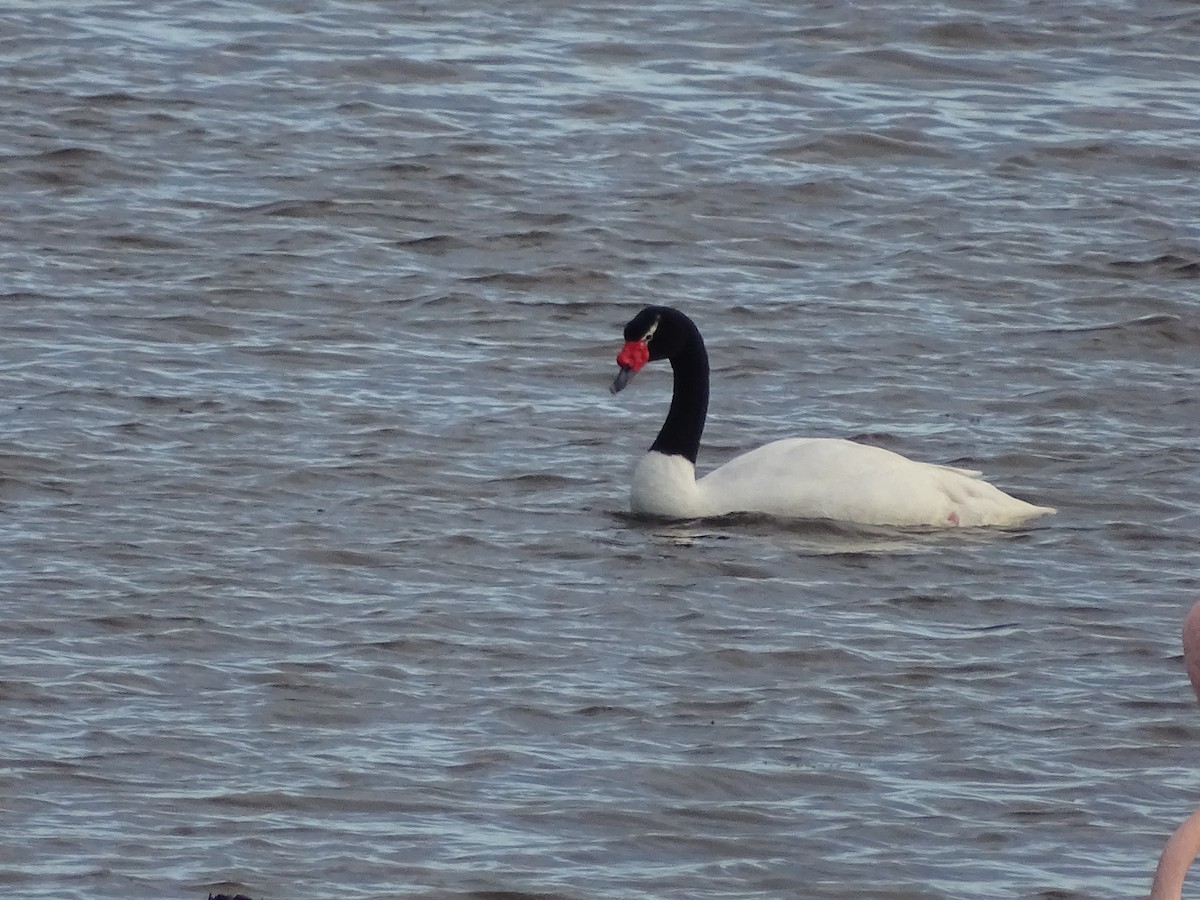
[(316, 579)]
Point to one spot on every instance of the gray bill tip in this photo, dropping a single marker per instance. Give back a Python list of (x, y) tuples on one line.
[(623, 378)]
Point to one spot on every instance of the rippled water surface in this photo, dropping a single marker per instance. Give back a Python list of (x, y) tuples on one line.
[(317, 579)]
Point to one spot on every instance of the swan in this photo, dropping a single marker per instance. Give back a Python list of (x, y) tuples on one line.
[(812, 478), (1181, 848)]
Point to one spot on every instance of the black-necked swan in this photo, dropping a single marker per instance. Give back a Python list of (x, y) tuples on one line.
[(811, 478)]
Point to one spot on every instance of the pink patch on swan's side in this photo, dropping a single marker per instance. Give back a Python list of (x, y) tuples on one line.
[(952, 518)]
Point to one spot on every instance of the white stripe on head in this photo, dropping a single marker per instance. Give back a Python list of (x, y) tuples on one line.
[(650, 331)]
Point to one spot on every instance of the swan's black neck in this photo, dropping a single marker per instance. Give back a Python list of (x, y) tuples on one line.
[(681, 431)]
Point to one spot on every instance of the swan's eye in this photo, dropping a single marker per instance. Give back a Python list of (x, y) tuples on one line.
[(650, 332)]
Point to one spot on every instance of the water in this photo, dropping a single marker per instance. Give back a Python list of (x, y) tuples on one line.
[(317, 576)]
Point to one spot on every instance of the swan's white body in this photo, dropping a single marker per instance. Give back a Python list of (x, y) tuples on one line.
[(826, 478)]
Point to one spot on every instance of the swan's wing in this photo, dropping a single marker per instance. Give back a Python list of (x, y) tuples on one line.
[(850, 482)]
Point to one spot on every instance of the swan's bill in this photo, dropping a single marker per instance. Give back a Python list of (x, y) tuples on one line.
[(623, 378), (632, 357)]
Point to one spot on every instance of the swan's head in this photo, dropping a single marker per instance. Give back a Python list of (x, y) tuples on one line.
[(654, 333)]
